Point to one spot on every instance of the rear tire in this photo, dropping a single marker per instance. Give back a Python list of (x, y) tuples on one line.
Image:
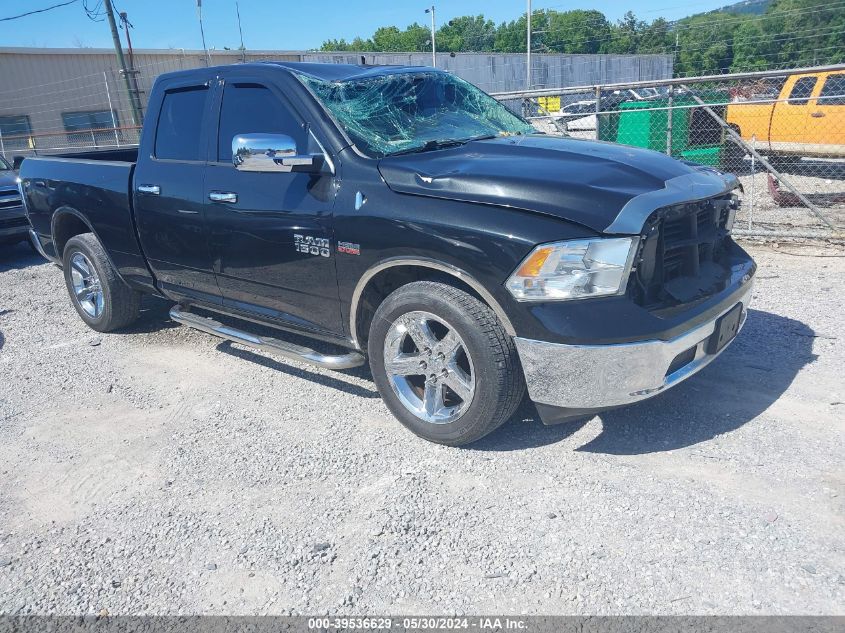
[(101, 298), (443, 364)]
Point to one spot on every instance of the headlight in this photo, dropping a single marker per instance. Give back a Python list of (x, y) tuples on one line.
[(574, 269)]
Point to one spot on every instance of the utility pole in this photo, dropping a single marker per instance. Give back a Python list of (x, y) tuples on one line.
[(136, 113), (433, 47), (528, 49), (676, 56), (133, 73), (240, 30), (202, 33)]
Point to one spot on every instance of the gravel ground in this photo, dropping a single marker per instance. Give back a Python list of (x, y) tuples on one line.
[(767, 215), (160, 471)]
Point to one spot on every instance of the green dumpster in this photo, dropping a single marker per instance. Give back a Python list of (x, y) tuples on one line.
[(696, 136)]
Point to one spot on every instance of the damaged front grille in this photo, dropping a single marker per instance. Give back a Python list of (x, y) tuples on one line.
[(684, 254)]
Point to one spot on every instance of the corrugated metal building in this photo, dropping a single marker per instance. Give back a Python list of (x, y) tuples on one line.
[(60, 98)]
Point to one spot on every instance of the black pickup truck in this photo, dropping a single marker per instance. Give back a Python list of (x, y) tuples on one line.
[(407, 217)]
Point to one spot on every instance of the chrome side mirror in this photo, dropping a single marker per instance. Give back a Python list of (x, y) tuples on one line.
[(271, 153)]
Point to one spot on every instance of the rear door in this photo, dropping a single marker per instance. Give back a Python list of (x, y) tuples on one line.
[(826, 120), (169, 202), (257, 235)]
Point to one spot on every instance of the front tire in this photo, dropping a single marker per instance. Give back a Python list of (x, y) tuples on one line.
[(101, 298), (443, 364)]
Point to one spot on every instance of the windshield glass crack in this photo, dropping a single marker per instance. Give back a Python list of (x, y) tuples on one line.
[(420, 111)]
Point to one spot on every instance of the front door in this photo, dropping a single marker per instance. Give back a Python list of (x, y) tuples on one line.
[(826, 119), (270, 233), (169, 201), (789, 120)]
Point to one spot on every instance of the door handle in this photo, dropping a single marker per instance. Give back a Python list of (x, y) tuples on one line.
[(223, 196), (817, 115), (153, 190)]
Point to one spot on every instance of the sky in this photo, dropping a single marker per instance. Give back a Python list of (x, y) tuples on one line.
[(280, 24)]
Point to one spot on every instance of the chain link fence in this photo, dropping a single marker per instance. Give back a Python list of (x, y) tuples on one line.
[(32, 144), (781, 132)]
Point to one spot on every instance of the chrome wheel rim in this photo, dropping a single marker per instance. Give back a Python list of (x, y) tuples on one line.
[(429, 367), (87, 289)]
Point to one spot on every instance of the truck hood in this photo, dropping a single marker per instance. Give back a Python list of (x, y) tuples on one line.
[(607, 187)]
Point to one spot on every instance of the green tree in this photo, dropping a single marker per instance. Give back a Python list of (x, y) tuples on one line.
[(360, 44), (705, 43), (387, 39), (791, 33), (335, 45), (416, 38), (467, 33), (625, 35), (655, 38), (576, 31), (510, 37)]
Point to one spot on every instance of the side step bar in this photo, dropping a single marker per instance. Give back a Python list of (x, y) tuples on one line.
[(266, 343)]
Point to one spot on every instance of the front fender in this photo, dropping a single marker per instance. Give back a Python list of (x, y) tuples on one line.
[(432, 264)]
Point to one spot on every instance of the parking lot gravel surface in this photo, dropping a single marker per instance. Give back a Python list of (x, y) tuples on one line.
[(161, 471)]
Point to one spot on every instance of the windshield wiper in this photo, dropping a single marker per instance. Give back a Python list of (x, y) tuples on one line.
[(442, 144)]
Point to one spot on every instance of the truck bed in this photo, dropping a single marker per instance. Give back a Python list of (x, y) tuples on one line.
[(122, 155), (94, 188)]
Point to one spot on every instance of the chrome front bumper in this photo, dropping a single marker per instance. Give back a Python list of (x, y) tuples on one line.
[(604, 376)]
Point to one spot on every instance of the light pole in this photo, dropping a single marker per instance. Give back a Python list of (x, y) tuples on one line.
[(433, 47), (528, 49)]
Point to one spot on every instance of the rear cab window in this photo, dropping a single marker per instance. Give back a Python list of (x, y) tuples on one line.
[(179, 128)]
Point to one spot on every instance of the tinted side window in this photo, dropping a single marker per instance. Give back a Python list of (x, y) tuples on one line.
[(180, 124), (252, 108), (802, 90), (833, 90)]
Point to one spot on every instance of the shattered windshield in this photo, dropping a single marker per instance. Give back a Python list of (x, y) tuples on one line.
[(407, 112)]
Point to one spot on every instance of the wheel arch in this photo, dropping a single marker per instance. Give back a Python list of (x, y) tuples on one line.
[(66, 223), (379, 280)]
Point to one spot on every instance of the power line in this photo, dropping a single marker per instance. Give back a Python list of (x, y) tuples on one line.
[(675, 27), (814, 33), (96, 14), (682, 27), (23, 15), (657, 10)]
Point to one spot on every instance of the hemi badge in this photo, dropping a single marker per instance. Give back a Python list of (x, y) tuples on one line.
[(349, 248)]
